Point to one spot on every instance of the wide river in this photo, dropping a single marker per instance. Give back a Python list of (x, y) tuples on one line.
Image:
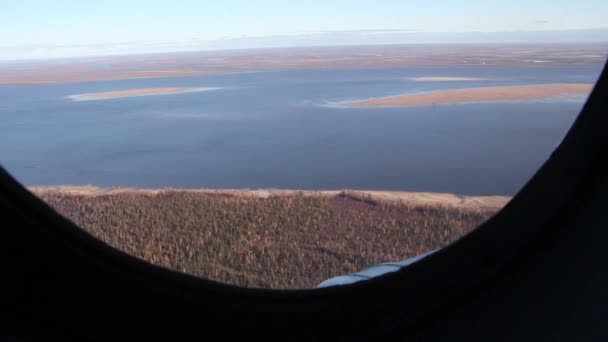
[(288, 129)]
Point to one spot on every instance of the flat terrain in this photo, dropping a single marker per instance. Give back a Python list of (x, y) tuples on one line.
[(234, 61), (448, 79), (269, 238), (411, 198), (479, 94), (81, 73), (115, 94), (128, 93)]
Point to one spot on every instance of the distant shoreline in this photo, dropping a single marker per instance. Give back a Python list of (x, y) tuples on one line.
[(480, 94), (199, 63), (45, 76), (414, 198)]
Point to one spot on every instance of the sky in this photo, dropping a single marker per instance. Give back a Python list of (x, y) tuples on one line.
[(65, 28)]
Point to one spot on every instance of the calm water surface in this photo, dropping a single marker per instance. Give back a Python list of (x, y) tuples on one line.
[(287, 129)]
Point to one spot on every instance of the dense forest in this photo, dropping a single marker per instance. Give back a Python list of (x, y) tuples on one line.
[(278, 242)]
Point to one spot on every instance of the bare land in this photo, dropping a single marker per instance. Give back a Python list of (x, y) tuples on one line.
[(76, 73), (413, 198), (448, 79), (479, 94), (234, 61), (269, 238), (115, 94)]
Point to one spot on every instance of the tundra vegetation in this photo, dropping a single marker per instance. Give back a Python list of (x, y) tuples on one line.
[(290, 241)]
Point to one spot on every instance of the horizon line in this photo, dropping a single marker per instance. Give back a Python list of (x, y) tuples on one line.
[(182, 47)]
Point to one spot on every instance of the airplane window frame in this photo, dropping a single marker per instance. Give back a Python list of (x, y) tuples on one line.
[(426, 286)]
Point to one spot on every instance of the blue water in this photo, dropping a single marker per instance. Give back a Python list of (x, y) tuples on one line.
[(286, 129)]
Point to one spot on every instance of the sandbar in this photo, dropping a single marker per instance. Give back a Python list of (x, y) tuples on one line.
[(447, 79), (116, 94), (46, 75), (480, 94)]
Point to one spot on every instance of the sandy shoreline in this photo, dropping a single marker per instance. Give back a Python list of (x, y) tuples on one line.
[(415, 198), (116, 94), (46, 76), (479, 94)]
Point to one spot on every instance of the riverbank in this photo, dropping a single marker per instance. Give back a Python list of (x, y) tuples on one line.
[(413, 198), (480, 94)]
